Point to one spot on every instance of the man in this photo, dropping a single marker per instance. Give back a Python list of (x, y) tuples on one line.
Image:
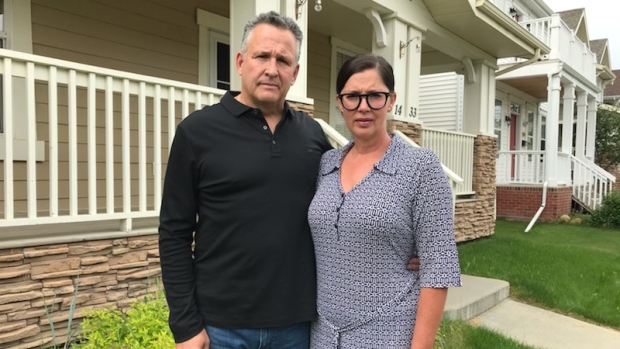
[(240, 178)]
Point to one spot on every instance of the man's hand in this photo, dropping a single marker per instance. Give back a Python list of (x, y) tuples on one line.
[(199, 341), (413, 263)]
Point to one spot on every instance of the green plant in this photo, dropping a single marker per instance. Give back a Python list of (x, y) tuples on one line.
[(608, 215), (607, 147), (70, 331), (143, 326)]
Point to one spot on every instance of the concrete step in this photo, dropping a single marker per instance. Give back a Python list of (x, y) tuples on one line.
[(476, 296)]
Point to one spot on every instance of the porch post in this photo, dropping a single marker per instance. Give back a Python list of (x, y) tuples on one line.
[(240, 13), (580, 139), (591, 128), (551, 144), (479, 101), (402, 47), (567, 118)]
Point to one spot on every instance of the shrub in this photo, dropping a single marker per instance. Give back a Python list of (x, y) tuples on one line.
[(143, 326), (608, 214)]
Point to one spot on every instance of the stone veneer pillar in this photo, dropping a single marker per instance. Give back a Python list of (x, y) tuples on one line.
[(476, 218), (473, 218)]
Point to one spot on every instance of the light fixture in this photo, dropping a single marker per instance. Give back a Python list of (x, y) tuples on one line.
[(317, 6), (507, 119), (512, 11), (298, 6)]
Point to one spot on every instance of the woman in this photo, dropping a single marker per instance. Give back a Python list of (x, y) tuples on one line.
[(379, 201)]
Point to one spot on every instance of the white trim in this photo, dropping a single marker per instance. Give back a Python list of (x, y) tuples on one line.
[(208, 22), (338, 46), (215, 38)]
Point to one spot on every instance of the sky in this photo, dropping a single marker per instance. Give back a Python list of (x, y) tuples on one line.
[(602, 19)]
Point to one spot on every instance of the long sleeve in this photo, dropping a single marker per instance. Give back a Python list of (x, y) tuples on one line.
[(176, 229)]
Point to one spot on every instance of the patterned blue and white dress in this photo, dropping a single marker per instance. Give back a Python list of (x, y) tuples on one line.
[(363, 239)]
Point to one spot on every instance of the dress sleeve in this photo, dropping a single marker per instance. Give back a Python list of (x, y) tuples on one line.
[(433, 226), (177, 223)]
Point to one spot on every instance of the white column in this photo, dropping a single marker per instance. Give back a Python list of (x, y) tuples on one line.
[(402, 48), (479, 101), (551, 144), (580, 139), (591, 128), (567, 118), (241, 11)]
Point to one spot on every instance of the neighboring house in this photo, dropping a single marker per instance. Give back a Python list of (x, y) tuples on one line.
[(92, 92), (611, 94), (532, 100)]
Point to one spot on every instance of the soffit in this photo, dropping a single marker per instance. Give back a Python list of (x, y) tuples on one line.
[(485, 26)]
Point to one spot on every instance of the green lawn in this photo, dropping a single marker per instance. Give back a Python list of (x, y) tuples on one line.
[(461, 335), (572, 269)]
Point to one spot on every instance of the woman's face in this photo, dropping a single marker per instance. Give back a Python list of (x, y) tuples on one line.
[(366, 115)]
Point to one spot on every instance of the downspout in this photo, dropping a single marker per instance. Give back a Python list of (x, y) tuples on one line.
[(535, 58), (540, 209)]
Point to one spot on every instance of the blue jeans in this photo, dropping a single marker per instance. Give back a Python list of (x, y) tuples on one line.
[(288, 337)]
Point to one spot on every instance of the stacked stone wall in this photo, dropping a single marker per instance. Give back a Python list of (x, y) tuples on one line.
[(475, 218), (39, 283)]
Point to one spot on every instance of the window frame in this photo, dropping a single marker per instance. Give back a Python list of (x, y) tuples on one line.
[(211, 26)]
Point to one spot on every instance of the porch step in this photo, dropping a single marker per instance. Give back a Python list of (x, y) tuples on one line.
[(476, 296)]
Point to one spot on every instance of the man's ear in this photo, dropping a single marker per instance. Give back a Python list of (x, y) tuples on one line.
[(239, 62), (295, 73)]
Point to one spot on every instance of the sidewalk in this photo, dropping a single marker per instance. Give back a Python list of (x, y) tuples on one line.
[(484, 302)]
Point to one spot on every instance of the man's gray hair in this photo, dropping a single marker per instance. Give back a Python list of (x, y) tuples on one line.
[(278, 21)]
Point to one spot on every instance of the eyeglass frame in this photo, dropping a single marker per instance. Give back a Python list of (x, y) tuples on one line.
[(366, 95)]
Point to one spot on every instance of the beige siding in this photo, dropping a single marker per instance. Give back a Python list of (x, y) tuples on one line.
[(319, 61), (152, 37)]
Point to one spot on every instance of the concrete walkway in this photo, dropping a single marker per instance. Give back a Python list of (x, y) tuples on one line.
[(484, 303)]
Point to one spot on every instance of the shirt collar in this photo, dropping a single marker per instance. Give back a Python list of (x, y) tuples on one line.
[(389, 162), (237, 108)]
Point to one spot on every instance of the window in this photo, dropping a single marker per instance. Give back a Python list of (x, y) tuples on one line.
[(214, 50), (2, 27), (341, 51), (219, 59)]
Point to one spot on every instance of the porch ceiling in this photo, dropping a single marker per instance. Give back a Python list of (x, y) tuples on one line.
[(532, 85), (483, 24)]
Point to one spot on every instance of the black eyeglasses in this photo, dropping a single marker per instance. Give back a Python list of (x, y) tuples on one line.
[(375, 100)]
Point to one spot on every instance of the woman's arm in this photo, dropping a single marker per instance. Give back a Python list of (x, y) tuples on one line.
[(430, 310)]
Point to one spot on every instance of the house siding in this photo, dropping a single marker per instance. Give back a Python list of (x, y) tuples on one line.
[(151, 37), (441, 101), (319, 70)]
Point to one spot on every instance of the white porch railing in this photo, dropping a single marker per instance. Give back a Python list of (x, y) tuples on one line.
[(107, 134), (520, 167), (590, 185), (456, 152), (564, 44)]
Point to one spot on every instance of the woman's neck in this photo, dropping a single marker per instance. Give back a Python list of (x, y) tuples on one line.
[(374, 145)]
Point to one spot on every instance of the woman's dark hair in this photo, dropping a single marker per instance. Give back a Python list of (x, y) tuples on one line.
[(363, 62)]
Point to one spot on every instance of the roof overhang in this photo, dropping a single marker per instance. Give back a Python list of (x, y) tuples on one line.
[(484, 25), (605, 73)]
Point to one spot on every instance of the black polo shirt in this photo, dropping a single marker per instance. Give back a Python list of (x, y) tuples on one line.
[(253, 265)]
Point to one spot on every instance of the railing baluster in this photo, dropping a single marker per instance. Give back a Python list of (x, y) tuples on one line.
[(91, 126), (185, 104), (73, 156), (142, 147), (9, 195), (52, 92), (31, 123), (171, 116), (157, 180), (126, 150), (109, 144)]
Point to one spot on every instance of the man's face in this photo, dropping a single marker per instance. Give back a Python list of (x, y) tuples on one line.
[(268, 68)]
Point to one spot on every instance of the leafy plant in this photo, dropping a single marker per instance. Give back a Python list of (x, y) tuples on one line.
[(607, 137), (608, 214), (50, 312), (143, 326)]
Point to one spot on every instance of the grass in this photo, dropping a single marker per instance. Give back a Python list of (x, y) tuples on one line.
[(571, 269), (457, 334)]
